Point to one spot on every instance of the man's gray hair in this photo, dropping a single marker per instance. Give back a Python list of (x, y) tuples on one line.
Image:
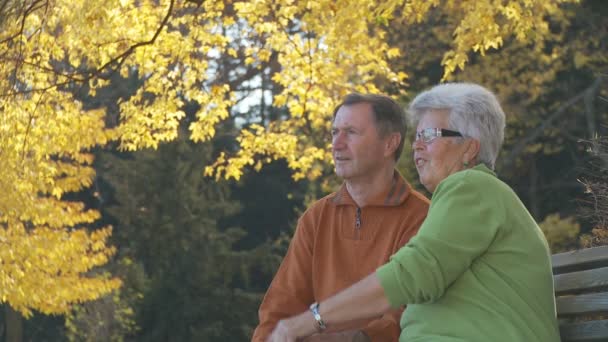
[(473, 111)]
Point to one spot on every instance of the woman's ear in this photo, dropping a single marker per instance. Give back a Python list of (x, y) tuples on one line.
[(472, 150)]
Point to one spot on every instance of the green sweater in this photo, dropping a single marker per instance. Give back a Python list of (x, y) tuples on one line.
[(478, 270)]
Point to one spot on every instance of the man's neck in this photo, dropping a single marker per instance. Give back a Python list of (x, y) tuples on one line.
[(363, 190)]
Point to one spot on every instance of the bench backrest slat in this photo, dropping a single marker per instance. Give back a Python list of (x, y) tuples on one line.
[(577, 282), (580, 260), (588, 331), (582, 304)]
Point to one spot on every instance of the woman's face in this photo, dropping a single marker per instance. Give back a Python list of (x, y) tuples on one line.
[(442, 156)]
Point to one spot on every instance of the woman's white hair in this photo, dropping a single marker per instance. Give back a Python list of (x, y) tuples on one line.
[(473, 111)]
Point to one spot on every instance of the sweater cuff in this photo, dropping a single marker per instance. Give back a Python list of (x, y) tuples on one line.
[(389, 280)]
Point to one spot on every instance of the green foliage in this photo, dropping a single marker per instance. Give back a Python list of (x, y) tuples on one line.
[(111, 317), (266, 219), (198, 286)]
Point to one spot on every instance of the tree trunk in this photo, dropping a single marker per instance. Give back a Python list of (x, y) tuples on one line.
[(14, 324), (533, 191)]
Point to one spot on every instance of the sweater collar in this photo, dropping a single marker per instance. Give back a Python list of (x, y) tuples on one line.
[(483, 168), (395, 195)]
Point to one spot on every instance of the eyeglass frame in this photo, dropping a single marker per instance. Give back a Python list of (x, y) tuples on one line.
[(435, 133)]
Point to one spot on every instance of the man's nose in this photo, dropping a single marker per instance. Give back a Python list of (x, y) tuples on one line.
[(338, 141)]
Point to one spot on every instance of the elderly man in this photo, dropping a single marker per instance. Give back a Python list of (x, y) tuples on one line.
[(348, 234)]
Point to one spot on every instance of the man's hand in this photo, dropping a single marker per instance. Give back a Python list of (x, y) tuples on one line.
[(343, 336)]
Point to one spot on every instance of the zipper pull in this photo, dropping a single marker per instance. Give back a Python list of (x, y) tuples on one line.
[(358, 219)]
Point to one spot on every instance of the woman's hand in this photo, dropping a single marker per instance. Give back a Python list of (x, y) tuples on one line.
[(342, 336), (284, 331)]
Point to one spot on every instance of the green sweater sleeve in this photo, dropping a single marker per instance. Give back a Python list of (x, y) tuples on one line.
[(462, 222)]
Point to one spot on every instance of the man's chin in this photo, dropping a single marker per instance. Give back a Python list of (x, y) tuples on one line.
[(340, 172)]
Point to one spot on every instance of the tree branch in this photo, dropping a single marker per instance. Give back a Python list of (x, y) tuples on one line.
[(26, 12), (118, 60), (2, 7)]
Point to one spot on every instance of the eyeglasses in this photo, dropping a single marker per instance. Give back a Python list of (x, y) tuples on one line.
[(427, 135)]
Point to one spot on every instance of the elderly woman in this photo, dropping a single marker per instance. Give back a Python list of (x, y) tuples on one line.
[(479, 268)]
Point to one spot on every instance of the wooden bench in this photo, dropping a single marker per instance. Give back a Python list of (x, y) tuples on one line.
[(581, 290)]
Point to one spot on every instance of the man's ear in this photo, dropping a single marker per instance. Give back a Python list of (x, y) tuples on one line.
[(472, 151), (392, 143)]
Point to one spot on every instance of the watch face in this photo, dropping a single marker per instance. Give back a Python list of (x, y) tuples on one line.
[(314, 308)]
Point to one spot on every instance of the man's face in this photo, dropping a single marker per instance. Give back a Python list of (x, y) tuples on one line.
[(358, 150)]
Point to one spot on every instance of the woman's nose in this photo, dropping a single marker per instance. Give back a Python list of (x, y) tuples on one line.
[(417, 144)]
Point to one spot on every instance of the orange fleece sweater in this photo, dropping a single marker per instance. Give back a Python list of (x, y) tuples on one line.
[(337, 244)]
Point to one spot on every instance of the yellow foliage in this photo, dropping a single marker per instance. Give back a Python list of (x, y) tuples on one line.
[(43, 257), (597, 237), (320, 62), (43, 268), (560, 233)]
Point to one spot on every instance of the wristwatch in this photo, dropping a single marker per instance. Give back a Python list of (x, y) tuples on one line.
[(314, 308)]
